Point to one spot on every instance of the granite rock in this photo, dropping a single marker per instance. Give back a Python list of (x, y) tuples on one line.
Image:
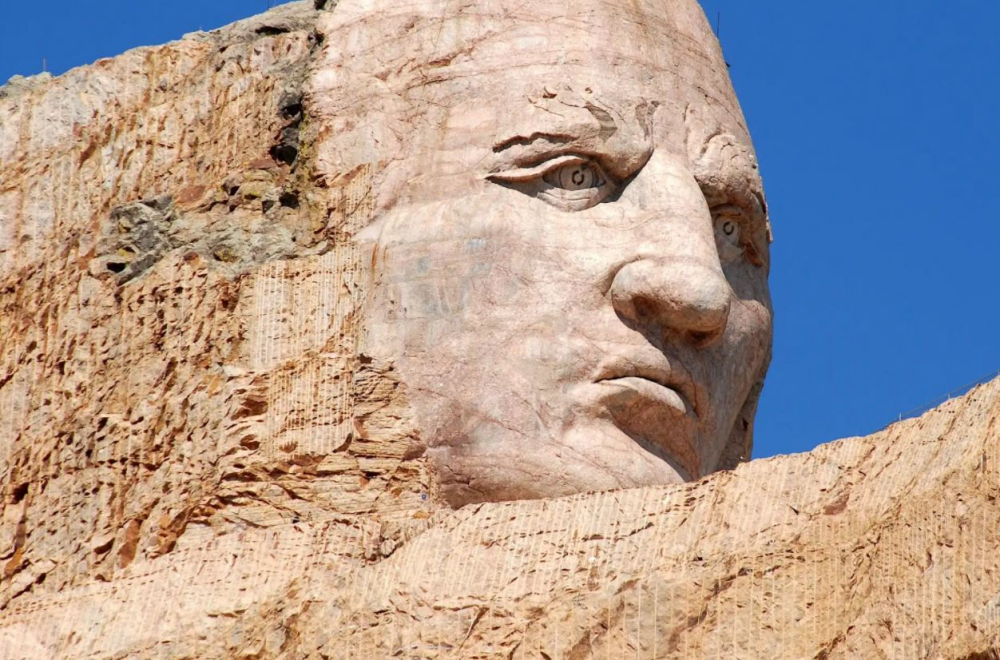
[(209, 449)]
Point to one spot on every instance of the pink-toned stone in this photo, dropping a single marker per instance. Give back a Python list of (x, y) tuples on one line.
[(213, 441)]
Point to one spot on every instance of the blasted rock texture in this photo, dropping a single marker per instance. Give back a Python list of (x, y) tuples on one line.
[(873, 547), (168, 364), (198, 458)]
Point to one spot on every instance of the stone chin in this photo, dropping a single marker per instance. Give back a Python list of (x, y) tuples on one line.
[(570, 254)]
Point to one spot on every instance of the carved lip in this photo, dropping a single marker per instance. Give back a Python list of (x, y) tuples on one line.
[(654, 405), (633, 371)]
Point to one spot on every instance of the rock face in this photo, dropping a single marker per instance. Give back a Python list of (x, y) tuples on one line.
[(873, 547), (568, 235), (211, 447)]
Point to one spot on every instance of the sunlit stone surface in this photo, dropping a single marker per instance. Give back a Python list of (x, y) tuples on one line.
[(568, 237), (278, 300)]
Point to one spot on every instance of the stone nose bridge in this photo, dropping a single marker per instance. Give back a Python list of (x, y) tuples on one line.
[(672, 280)]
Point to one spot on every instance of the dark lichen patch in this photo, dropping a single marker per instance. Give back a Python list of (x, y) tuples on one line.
[(288, 144), (250, 219), (135, 237)]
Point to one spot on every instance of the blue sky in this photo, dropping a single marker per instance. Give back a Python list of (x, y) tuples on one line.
[(875, 124)]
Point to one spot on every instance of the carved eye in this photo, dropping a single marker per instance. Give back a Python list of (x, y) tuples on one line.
[(575, 176), (730, 229), (570, 182), (728, 236)]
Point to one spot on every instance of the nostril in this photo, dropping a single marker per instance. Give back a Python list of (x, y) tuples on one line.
[(701, 337), (645, 309), (704, 339)]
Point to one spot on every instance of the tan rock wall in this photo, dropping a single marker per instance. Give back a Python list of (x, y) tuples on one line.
[(178, 311), (871, 547), (197, 461)]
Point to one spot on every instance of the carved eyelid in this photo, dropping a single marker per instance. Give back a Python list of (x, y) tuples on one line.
[(749, 207), (729, 209), (525, 174)]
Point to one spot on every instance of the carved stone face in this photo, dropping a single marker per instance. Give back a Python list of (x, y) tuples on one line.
[(569, 243)]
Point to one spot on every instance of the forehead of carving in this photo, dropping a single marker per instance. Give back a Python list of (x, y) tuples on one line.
[(658, 46), (443, 81)]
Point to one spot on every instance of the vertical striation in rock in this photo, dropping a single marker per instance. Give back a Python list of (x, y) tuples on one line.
[(178, 313), (200, 457)]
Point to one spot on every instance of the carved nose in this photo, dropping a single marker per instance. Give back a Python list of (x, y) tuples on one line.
[(686, 297)]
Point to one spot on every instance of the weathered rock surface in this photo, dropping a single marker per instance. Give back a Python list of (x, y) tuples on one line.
[(167, 362), (197, 459), (873, 547)]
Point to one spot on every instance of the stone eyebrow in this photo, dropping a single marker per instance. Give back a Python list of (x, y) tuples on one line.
[(521, 141)]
